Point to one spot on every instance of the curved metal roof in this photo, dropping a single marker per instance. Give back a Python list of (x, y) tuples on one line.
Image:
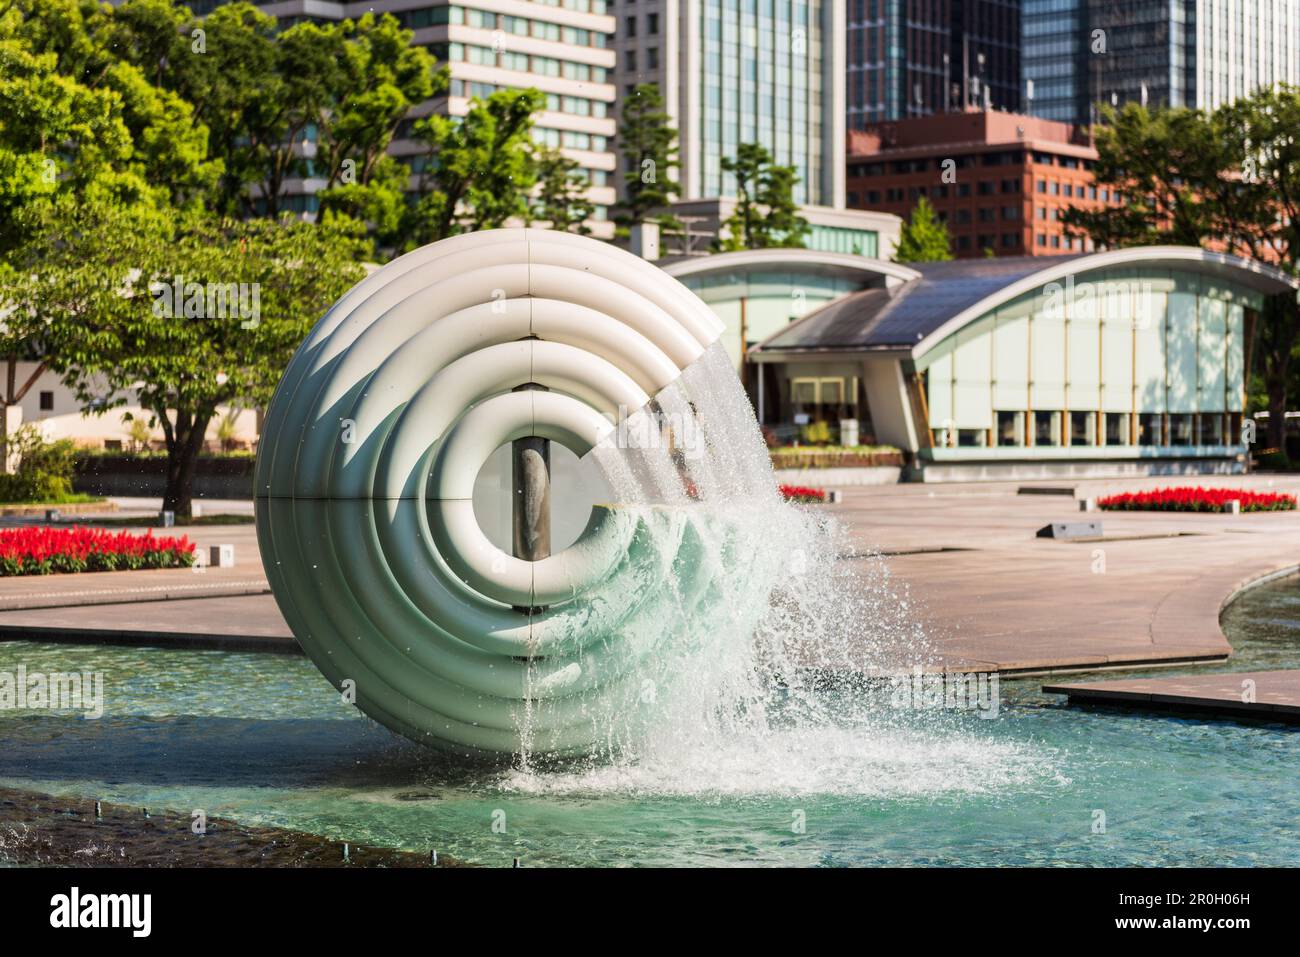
[(786, 260), (918, 314)]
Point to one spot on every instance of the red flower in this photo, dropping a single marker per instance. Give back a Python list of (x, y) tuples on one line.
[(1197, 500), (39, 550), (802, 493)]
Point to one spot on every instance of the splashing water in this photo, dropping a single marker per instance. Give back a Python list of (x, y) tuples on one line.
[(732, 694)]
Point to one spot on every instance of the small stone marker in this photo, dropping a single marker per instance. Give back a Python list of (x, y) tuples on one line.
[(1087, 505), (1071, 530), (833, 496), (1046, 490), (221, 556), (167, 519), (1234, 506), (52, 515)]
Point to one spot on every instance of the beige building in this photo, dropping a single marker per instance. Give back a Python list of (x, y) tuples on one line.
[(55, 409), (560, 47)]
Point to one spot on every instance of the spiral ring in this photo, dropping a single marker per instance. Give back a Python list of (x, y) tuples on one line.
[(367, 464)]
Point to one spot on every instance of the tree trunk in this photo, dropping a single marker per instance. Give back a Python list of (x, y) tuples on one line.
[(1277, 412), (183, 448), (1282, 323), (4, 437)]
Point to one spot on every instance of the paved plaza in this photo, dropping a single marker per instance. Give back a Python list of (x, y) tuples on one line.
[(990, 594)]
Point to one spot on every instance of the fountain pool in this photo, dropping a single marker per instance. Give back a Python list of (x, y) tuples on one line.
[(263, 739)]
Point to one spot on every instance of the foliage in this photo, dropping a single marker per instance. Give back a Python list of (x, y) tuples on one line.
[(138, 431), (647, 136), (923, 238), (1197, 500), (561, 198), (121, 333), (45, 551), (1227, 179), (381, 75), (228, 429), (481, 167), (766, 214), (826, 457), (816, 433), (802, 493), (44, 472)]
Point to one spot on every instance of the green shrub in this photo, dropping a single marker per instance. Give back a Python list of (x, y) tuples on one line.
[(45, 469)]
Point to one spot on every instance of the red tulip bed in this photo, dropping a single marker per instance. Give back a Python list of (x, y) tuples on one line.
[(802, 493), (1197, 500), (51, 551)]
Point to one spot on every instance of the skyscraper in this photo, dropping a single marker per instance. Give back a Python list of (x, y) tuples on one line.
[(917, 58), (1193, 53), (1054, 59), (743, 71)]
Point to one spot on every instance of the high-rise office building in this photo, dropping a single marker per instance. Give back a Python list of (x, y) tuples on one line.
[(560, 47), (937, 56), (1054, 59), (743, 71), (1194, 53)]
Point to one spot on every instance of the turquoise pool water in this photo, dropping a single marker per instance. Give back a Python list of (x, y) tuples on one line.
[(264, 740)]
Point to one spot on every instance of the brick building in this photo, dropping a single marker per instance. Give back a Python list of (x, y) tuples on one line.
[(1008, 178)]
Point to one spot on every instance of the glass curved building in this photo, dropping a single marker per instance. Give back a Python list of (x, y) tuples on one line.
[(1130, 361)]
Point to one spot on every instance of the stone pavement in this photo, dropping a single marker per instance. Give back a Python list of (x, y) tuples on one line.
[(1263, 695), (988, 593), (1150, 592)]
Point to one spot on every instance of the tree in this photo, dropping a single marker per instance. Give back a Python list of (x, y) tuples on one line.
[(105, 137), (648, 142), (184, 321), (381, 77), (923, 238), (766, 214), (1227, 179), (561, 199), (479, 169)]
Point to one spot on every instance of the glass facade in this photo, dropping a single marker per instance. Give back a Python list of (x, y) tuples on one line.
[(1053, 57), (916, 58), (1194, 53), (1108, 359), (761, 81), (838, 239)]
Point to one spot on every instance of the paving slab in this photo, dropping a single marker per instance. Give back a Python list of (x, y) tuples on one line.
[(986, 592), (1263, 695), (243, 623), (1148, 593)]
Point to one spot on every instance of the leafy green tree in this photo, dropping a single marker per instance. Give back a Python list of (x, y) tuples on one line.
[(1227, 179), (78, 129), (382, 76), (647, 141), (480, 168), (255, 91), (766, 214), (185, 320), (923, 238), (561, 199)]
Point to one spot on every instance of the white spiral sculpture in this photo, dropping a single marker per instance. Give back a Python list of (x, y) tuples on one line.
[(366, 470)]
